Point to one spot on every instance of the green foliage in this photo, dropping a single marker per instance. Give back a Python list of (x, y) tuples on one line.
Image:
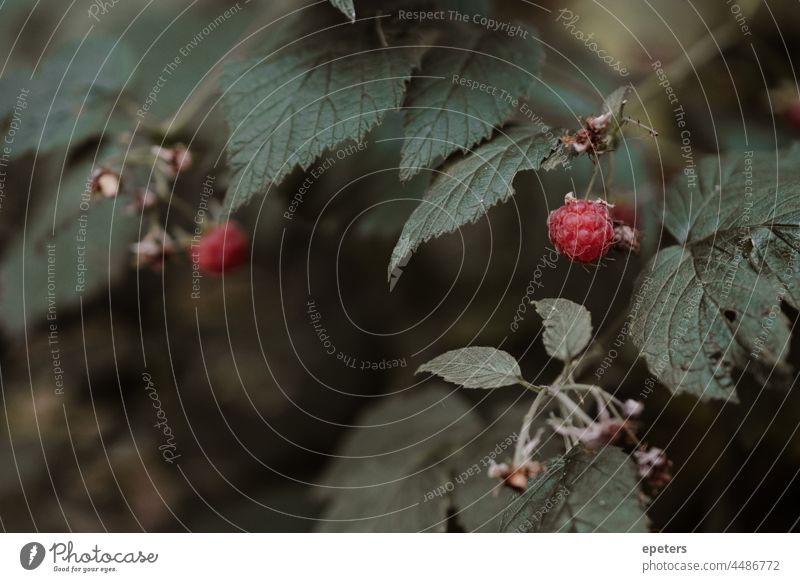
[(466, 188), (71, 249), (285, 109), (567, 327), (420, 463), (70, 97), (615, 103), (475, 367), (458, 98), (197, 67), (713, 304), (478, 502), (404, 450), (581, 492)]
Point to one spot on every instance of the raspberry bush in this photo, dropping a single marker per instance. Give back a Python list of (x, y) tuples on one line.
[(593, 277)]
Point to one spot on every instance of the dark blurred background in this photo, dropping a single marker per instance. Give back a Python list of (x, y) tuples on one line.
[(256, 404)]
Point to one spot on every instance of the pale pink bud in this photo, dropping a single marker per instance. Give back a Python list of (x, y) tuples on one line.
[(632, 407), (156, 244), (599, 123), (654, 466), (178, 158), (105, 182), (142, 200)]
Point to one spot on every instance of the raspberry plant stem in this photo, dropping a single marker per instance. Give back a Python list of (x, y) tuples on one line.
[(524, 432), (595, 171)]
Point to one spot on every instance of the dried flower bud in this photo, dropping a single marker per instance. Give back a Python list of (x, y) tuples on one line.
[(178, 158), (654, 466), (626, 238), (516, 477), (580, 142), (142, 200), (106, 182), (498, 471), (151, 250), (594, 137), (632, 407), (599, 123), (181, 158), (597, 434)]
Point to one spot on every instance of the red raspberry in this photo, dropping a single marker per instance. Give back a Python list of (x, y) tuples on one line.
[(222, 249), (581, 229)]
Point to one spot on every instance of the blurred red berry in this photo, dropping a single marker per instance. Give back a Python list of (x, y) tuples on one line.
[(222, 249), (581, 229), (624, 212), (792, 114)]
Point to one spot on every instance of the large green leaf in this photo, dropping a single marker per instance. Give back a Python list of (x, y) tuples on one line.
[(475, 367), (435, 475), (466, 189), (385, 472), (581, 492), (567, 327), (712, 306), (70, 96), (287, 108), (462, 93)]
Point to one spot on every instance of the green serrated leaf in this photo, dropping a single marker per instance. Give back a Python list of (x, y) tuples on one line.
[(346, 7), (616, 100), (615, 103), (462, 93), (467, 188), (581, 492), (69, 98), (287, 109), (385, 471), (713, 305), (567, 327), (475, 367)]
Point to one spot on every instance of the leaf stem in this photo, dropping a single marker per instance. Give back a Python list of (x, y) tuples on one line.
[(595, 171), (572, 408), (524, 433), (610, 178), (183, 208), (379, 30)]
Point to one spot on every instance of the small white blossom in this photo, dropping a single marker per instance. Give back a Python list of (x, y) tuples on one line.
[(632, 407)]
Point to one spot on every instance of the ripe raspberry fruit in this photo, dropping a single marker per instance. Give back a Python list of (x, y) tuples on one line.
[(581, 229), (221, 249)]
